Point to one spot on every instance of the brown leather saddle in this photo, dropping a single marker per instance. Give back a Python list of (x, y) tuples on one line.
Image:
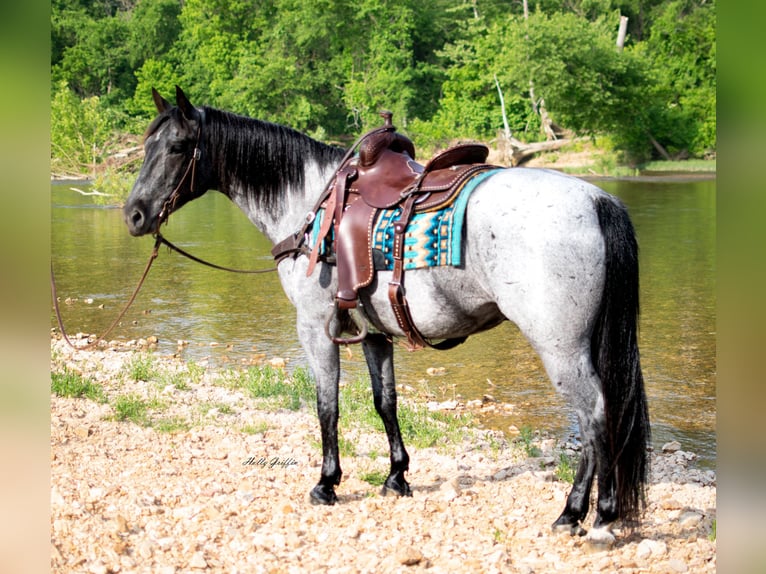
[(384, 175)]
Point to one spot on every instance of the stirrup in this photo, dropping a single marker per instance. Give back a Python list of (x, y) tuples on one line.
[(361, 323)]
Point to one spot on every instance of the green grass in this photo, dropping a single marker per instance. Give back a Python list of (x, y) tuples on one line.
[(419, 427), (526, 437), (132, 408), (566, 468), (257, 428), (692, 165), (374, 477), (192, 374), (171, 425), (275, 386), (71, 384), (141, 367)]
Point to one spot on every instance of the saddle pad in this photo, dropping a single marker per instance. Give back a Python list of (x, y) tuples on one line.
[(433, 238)]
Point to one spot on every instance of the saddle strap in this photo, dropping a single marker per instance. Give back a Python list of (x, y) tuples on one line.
[(396, 291)]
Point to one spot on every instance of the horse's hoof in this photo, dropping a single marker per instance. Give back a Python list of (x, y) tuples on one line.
[(571, 529), (320, 494), (398, 487), (600, 538)]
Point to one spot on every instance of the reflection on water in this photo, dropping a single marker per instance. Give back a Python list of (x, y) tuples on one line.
[(245, 315)]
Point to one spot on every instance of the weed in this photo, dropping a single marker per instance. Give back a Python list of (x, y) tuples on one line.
[(171, 425), (346, 447), (71, 384), (266, 382), (526, 436), (141, 367), (712, 535), (257, 428), (131, 408), (565, 469), (374, 477)]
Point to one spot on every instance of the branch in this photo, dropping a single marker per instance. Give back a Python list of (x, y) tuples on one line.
[(94, 192)]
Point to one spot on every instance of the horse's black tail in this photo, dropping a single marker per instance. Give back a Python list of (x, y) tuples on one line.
[(614, 349)]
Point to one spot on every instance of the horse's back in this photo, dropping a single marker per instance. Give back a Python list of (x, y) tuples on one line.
[(533, 253), (534, 238)]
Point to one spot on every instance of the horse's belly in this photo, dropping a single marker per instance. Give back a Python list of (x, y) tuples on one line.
[(445, 302)]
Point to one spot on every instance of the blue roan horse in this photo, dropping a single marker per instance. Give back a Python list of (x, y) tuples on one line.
[(554, 254)]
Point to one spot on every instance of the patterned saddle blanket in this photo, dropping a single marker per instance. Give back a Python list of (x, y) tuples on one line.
[(433, 238)]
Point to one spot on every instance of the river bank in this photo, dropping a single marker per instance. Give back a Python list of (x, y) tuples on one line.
[(219, 482)]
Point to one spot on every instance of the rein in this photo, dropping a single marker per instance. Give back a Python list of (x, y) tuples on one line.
[(177, 249), (152, 257), (163, 216)]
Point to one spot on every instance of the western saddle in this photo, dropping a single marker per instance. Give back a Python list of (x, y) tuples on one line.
[(382, 175)]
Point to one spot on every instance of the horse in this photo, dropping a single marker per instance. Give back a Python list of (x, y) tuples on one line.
[(552, 253)]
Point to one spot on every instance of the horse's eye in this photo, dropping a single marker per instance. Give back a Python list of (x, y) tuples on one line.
[(177, 148)]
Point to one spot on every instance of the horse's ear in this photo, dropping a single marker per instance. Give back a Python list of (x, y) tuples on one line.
[(161, 103), (183, 103)]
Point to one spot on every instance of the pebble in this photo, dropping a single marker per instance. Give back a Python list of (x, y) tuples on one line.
[(198, 561), (126, 497), (410, 556)]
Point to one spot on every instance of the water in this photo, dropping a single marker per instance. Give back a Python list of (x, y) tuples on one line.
[(230, 319)]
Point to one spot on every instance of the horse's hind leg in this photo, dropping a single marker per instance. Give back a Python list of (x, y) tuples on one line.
[(577, 381), (379, 353), (578, 501)]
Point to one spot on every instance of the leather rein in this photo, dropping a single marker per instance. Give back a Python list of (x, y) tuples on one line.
[(163, 216)]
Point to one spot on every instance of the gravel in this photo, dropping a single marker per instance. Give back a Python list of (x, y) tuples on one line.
[(228, 492)]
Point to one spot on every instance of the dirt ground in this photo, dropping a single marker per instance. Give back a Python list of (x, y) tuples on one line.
[(131, 498)]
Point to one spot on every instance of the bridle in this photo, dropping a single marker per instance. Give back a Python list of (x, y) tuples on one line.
[(167, 208), (170, 203)]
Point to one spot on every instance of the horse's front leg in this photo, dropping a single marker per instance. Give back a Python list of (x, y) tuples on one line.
[(379, 353), (324, 360)]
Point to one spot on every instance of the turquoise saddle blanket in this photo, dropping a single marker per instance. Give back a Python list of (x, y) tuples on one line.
[(433, 238)]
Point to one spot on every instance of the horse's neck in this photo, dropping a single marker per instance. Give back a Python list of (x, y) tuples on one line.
[(279, 219), (300, 167)]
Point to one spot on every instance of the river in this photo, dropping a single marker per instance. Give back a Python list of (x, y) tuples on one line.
[(229, 319)]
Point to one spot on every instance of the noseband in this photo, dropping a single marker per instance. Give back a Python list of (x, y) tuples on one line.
[(170, 203)]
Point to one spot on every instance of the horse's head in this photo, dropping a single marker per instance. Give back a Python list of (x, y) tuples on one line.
[(174, 170)]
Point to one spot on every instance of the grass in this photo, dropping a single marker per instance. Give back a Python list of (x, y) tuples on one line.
[(693, 165), (271, 388), (257, 428), (71, 384), (131, 407), (171, 425), (141, 367), (526, 438), (181, 380), (275, 386), (419, 427), (566, 468), (374, 477)]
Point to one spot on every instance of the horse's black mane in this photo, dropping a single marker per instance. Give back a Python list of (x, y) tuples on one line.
[(266, 157)]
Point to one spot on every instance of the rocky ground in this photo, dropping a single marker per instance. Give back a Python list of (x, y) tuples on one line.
[(226, 490)]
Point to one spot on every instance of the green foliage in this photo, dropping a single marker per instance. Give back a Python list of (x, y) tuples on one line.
[(565, 469), (141, 367), (526, 437), (131, 408), (328, 67), (81, 131), (276, 386), (71, 384), (374, 477)]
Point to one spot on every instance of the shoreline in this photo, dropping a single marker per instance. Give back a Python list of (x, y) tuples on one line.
[(127, 496)]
